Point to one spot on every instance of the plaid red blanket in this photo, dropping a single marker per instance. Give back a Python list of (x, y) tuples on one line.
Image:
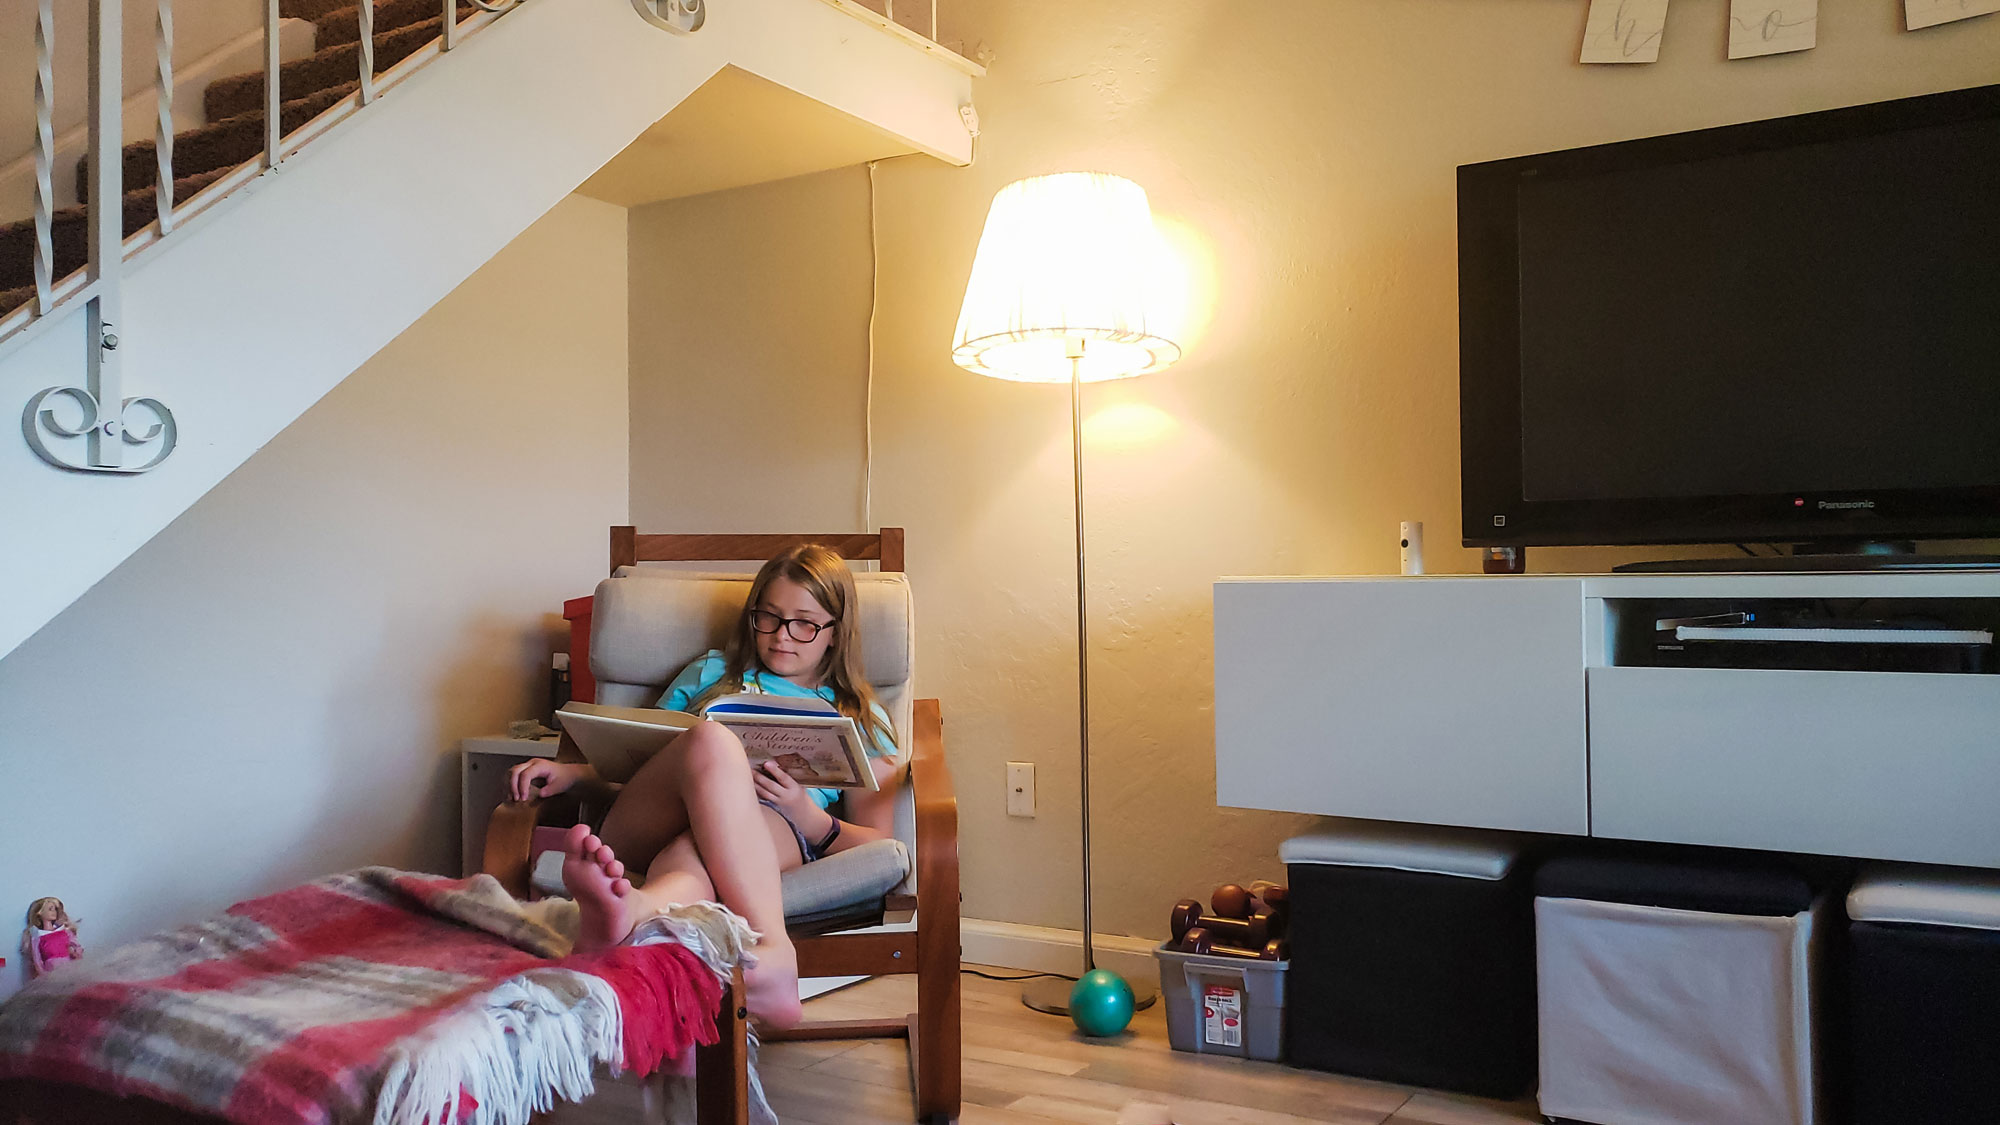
[(324, 1003)]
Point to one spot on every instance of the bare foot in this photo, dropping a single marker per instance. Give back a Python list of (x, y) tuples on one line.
[(773, 986), (596, 881)]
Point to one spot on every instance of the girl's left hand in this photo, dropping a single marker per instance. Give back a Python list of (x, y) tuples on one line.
[(783, 790)]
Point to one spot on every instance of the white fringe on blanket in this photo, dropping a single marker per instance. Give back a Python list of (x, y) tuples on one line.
[(722, 940), (536, 1039), (532, 1040)]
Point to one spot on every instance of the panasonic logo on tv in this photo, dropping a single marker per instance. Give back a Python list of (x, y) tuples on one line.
[(1844, 505)]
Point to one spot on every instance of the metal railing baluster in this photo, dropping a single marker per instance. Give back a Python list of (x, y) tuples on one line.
[(163, 138), (273, 132), (367, 9), (450, 24), (107, 230), (45, 155)]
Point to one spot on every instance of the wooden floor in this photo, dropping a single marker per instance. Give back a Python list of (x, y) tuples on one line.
[(1025, 1068)]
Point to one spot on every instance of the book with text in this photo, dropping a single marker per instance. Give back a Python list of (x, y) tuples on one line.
[(817, 745)]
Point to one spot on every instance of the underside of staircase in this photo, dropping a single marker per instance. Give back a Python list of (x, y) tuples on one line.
[(234, 134), (265, 298)]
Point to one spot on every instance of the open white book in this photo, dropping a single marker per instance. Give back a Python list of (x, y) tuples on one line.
[(817, 745)]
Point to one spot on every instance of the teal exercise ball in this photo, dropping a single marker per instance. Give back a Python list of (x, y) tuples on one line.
[(1101, 1003)]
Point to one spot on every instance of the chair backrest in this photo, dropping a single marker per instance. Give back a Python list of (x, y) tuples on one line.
[(648, 624)]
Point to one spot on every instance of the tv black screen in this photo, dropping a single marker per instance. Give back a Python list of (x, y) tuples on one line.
[(1778, 331)]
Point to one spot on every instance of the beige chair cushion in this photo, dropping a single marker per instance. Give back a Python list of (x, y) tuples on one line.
[(647, 624), (841, 880)]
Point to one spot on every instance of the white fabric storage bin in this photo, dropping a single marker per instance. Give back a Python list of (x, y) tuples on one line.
[(1657, 1016)]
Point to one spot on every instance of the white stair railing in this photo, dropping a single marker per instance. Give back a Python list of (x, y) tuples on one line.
[(60, 418)]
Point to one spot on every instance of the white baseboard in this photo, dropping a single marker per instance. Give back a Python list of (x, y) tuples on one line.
[(1041, 949)]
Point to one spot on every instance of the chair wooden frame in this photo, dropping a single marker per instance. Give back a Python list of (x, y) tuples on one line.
[(931, 952)]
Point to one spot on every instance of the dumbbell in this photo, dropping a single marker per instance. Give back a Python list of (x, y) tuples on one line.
[(1230, 901), (1243, 933), (1199, 940), (1186, 916), (1277, 901)]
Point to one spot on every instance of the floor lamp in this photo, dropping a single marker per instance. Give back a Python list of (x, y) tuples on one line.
[(1066, 287)]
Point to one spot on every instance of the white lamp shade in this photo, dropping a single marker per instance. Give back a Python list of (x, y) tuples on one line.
[(1070, 266)]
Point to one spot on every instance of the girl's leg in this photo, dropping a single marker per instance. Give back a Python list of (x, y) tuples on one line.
[(651, 809), (733, 843)]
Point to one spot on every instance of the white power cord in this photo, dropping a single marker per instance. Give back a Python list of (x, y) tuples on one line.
[(868, 401)]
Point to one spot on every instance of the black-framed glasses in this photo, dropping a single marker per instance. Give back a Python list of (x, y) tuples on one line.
[(797, 628)]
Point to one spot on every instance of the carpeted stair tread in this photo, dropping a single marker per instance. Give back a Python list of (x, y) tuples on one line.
[(343, 25), (309, 9), (334, 66), (70, 231), (225, 144), (11, 299)]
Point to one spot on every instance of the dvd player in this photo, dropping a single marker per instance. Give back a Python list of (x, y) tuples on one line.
[(1740, 640)]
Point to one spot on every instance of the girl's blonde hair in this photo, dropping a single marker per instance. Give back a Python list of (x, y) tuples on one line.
[(62, 913), (824, 575)]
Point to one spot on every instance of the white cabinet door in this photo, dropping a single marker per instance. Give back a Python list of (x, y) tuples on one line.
[(1880, 765), (1435, 700)]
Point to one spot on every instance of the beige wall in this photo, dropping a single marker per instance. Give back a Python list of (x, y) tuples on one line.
[(1303, 155), (273, 688), (749, 354)]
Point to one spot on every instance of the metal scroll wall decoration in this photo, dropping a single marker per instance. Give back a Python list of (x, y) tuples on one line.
[(682, 17), (96, 415)]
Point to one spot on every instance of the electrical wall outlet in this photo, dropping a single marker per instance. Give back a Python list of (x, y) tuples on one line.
[(1020, 788)]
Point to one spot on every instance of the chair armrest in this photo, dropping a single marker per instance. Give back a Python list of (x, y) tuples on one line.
[(936, 813), (510, 840)]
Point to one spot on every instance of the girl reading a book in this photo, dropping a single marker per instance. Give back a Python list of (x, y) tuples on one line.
[(697, 819)]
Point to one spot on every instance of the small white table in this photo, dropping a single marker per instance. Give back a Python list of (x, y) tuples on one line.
[(483, 766)]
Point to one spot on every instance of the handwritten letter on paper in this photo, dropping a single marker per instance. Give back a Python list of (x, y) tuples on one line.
[(1627, 31), (1930, 13), (1772, 27)]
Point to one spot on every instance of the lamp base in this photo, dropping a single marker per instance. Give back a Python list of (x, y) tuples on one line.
[(1051, 995)]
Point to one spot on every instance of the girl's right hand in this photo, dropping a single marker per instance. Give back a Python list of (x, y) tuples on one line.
[(554, 778)]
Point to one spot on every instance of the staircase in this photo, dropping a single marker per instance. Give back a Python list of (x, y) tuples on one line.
[(234, 107), (243, 317)]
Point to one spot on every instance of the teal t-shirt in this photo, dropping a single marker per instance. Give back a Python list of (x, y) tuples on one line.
[(701, 675)]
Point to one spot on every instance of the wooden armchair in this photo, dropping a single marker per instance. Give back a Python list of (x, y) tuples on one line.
[(623, 650)]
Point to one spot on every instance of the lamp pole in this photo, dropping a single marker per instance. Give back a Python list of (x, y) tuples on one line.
[(1052, 994), (1074, 346)]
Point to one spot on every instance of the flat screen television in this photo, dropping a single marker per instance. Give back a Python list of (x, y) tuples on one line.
[(1782, 331)]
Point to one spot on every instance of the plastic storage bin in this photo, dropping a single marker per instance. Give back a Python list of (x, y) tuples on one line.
[(1219, 1005)]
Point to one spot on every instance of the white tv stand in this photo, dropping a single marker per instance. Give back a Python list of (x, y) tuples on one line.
[(1528, 703)]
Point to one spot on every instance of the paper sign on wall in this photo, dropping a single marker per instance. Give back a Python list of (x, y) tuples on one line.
[(1625, 31), (1930, 13), (1772, 27)]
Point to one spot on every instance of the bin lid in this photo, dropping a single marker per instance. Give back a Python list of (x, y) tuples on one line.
[(1400, 847), (1708, 885), (1926, 896)]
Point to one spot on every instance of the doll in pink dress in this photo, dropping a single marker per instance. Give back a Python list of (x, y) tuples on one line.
[(50, 939)]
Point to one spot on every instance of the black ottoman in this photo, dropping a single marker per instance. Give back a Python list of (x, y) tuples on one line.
[(1412, 959), (1924, 992)]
